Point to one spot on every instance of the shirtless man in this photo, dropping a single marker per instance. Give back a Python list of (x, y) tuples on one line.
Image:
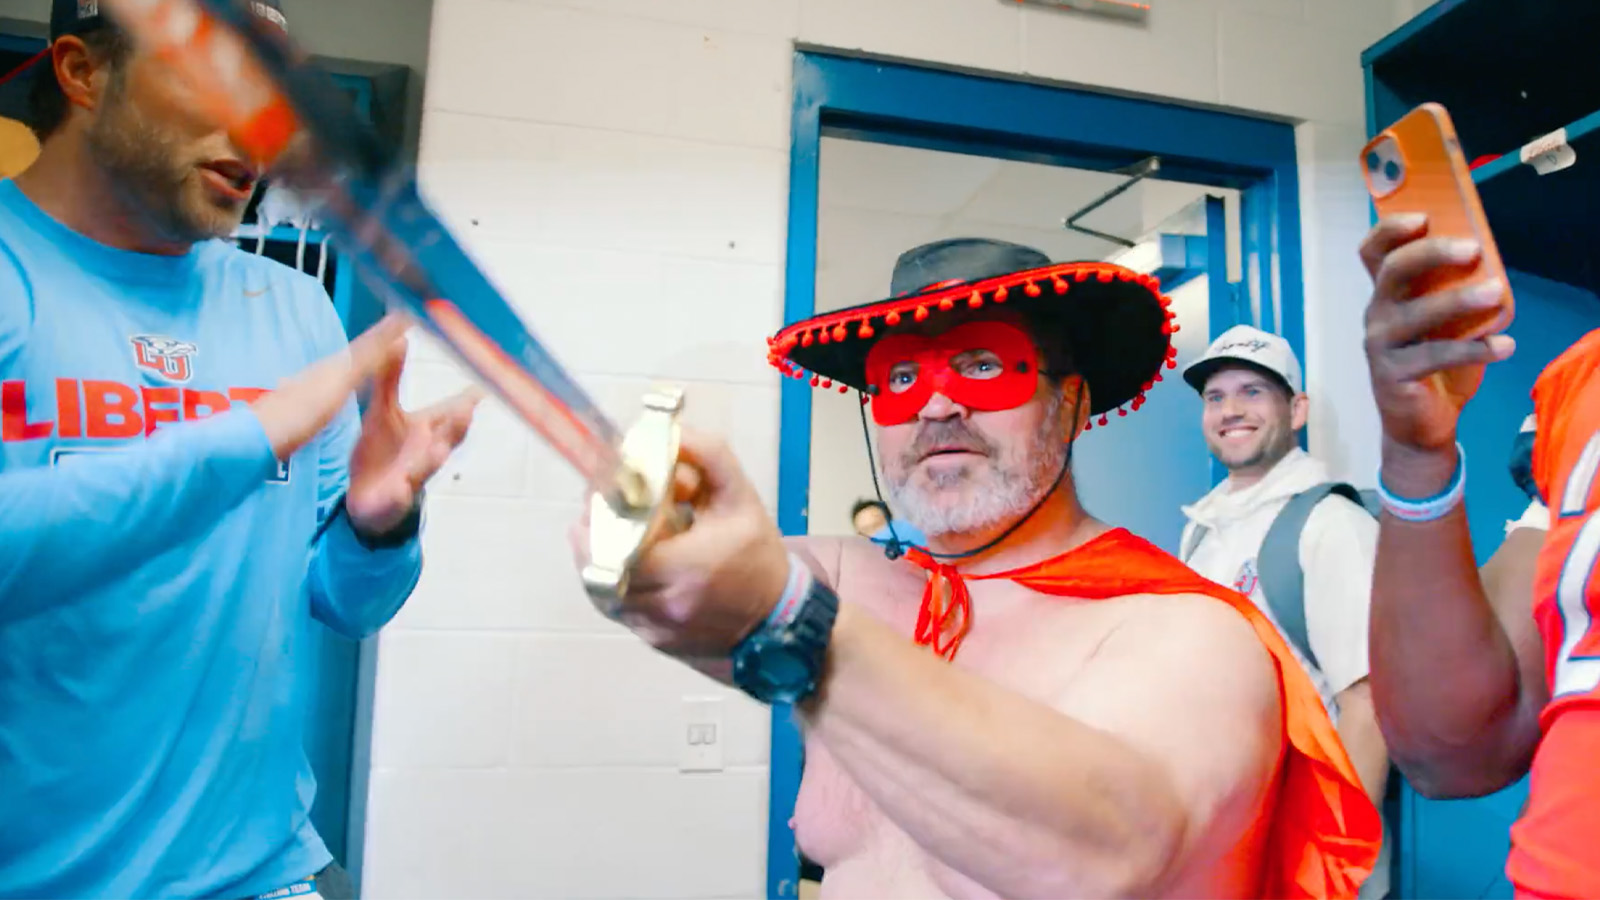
[(1084, 718)]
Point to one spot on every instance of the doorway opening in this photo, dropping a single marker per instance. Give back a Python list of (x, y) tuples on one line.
[(888, 156)]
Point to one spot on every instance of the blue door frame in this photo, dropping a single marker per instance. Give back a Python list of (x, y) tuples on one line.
[(910, 106)]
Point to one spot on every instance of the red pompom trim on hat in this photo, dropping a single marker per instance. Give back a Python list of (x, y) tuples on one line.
[(856, 323)]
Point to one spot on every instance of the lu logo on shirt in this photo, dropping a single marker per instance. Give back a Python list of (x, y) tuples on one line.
[(1245, 582), (103, 410)]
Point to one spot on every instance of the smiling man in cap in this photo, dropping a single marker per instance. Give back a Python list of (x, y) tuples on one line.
[(1037, 703), (1281, 531), (185, 481)]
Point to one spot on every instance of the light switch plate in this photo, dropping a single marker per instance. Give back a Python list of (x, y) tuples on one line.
[(702, 735)]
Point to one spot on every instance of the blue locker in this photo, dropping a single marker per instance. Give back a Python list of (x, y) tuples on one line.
[(1510, 72)]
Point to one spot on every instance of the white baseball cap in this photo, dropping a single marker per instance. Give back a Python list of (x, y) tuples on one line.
[(1254, 348)]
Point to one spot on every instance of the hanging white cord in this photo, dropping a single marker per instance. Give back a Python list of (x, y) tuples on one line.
[(300, 249), (276, 208), (322, 261)]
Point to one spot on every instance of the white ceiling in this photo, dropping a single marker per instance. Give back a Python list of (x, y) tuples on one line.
[(878, 200)]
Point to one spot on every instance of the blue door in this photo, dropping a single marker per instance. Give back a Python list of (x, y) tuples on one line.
[(1138, 471)]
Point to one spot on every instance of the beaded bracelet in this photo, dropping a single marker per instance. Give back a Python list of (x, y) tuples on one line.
[(1435, 507)]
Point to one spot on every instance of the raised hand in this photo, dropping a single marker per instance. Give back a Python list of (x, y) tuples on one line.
[(304, 404), (1421, 382), (399, 451)]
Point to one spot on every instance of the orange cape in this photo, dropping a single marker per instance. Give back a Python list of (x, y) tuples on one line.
[(1324, 832)]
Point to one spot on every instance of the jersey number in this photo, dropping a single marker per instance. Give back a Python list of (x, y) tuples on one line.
[(1578, 674)]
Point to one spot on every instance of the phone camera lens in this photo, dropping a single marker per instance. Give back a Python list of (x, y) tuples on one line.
[(1391, 170), (1373, 161)]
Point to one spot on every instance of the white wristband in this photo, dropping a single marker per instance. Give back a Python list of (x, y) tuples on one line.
[(794, 595), (1435, 507)]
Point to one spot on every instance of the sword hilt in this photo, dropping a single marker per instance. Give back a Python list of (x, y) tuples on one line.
[(639, 507)]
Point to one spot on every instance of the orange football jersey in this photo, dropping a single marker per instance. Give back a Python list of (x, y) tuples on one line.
[(1556, 843)]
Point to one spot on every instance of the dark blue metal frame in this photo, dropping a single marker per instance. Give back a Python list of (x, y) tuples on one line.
[(1223, 302), (1413, 27), (1185, 256), (1581, 129), (1456, 848), (911, 106), (1227, 304), (22, 43)]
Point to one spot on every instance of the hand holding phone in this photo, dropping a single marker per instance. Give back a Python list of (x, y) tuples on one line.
[(1416, 166), (1440, 292)]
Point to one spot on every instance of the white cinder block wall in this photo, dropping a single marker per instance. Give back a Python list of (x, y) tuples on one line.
[(620, 166)]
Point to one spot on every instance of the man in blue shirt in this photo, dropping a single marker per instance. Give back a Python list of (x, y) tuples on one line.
[(873, 521), (901, 530), (184, 475)]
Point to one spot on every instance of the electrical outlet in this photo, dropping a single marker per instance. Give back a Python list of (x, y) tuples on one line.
[(702, 735)]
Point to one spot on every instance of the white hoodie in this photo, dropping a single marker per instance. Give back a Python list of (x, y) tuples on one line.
[(1337, 548), (1336, 554)]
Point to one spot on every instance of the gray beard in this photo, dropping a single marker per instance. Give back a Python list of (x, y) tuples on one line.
[(1010, 488)]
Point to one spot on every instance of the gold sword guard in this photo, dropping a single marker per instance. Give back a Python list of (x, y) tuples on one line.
[(640, 508)]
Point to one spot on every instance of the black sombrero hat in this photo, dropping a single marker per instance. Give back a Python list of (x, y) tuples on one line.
[(1115, 323)]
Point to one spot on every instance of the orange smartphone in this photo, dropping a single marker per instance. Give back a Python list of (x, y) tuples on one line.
[(1416, 165)]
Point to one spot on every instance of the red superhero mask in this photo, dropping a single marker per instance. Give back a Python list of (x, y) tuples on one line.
[(980, 365)]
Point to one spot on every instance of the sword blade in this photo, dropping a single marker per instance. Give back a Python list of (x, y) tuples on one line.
[(418, 265), (292, 116)]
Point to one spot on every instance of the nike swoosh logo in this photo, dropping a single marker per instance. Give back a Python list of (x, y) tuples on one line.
[(249, 293)]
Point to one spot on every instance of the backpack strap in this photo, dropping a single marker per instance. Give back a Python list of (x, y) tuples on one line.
[(1278, 562), (1192, 536)]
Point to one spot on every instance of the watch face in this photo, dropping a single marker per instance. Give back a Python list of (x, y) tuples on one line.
[(786, 667), (775, 673), (784, 664)]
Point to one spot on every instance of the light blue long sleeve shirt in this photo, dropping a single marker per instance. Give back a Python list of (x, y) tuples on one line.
[(158, 568)]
